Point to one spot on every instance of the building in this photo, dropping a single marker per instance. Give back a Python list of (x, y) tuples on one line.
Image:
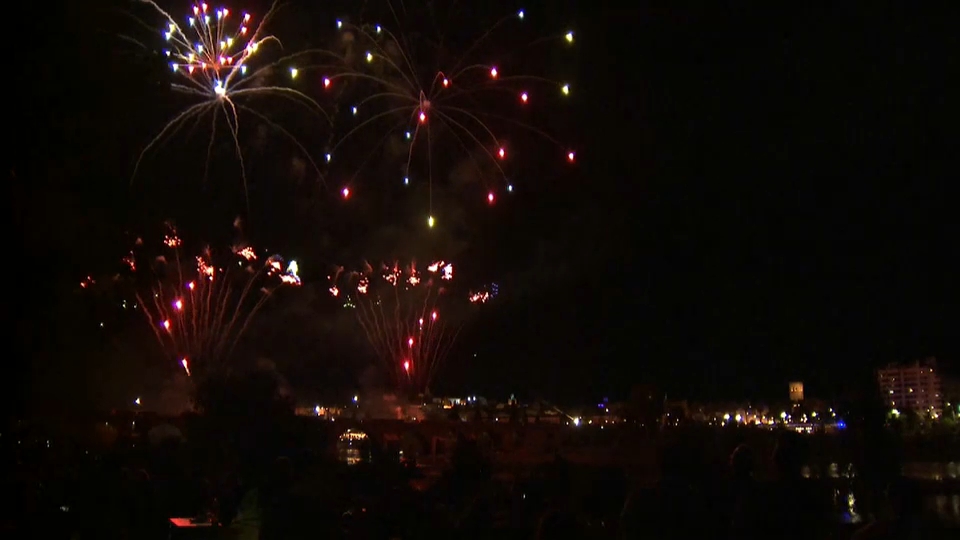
[(913, 386), (796, 392)]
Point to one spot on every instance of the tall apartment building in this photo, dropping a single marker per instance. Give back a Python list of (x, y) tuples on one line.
[(913, 386)]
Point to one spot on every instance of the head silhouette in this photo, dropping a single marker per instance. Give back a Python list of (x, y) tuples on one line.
[(282, 471), (906, 499), (679, 459), (790, 455), (557, 524), (743, 461)]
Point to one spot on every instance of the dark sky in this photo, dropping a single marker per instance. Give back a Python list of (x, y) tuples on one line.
[(761, 196)]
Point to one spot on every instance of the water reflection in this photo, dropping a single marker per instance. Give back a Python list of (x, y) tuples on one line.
[(845, 504), (945, 508), (934, 471), (917, 470), (353, 447)]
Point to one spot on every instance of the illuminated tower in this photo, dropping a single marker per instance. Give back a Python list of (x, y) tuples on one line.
[(796, 392)]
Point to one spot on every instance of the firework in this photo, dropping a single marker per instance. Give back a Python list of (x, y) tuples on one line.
[(425, 102), (213, 55), (406, 316), (200, 307), (484, 294)]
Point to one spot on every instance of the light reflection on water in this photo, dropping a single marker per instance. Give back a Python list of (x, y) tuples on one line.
[(917, 470), (945, 507), (845, 503), (936, 471)]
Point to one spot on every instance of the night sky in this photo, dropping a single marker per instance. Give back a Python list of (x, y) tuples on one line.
[(760, 196)]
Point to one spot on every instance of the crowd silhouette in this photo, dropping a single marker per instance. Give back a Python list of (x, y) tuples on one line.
[(132, 491)]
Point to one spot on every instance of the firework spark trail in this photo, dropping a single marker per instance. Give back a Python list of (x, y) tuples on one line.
[(200, 309), (211, 54), (416, 97), (399, 310), (484, 294)]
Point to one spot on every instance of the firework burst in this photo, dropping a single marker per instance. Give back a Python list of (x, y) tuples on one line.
[(200, 307), (425, 101), (484, 294), (406, 316), (213, 55)]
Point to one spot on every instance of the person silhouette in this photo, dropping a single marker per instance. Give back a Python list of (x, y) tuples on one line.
[(671, 507), (743, 490), (904, 515), (275, 501), (792, 506), (558, 524)]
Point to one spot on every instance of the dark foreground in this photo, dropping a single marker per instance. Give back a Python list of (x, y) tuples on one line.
[(130, 488)]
